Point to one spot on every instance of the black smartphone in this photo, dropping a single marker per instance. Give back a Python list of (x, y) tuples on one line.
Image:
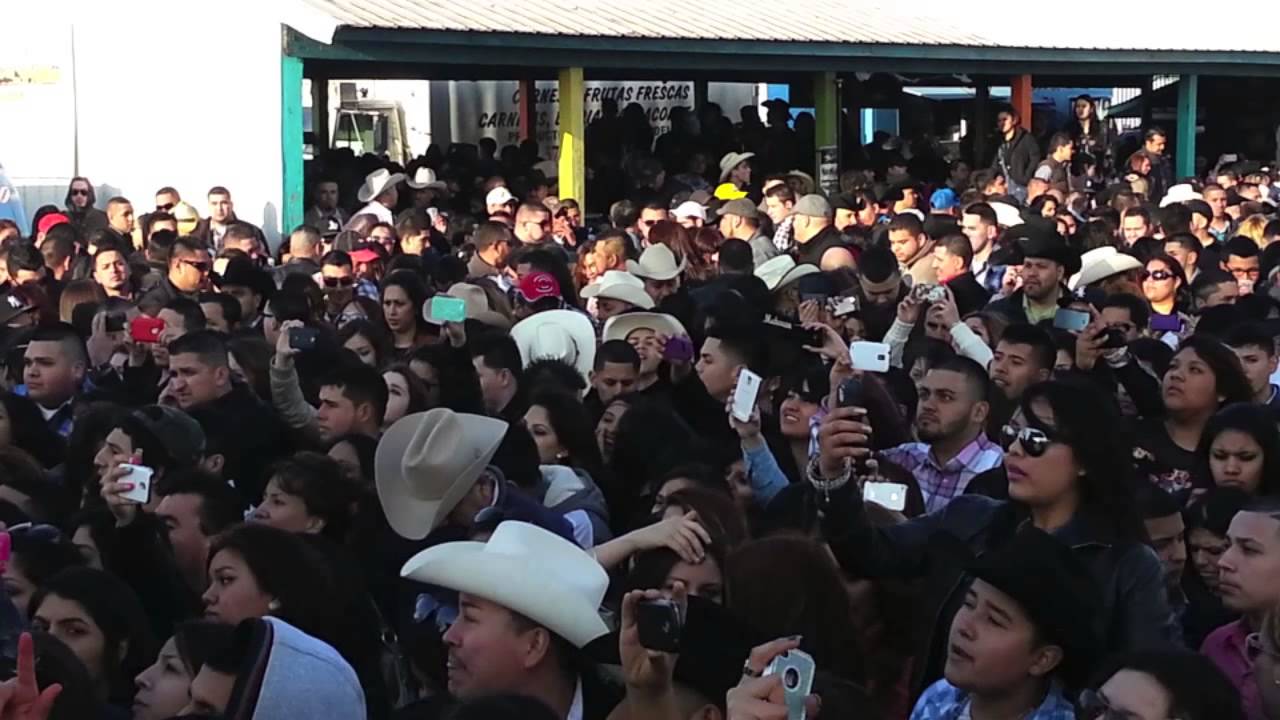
[(303, 338), (114, 322), (849, 394), (1114, 339), (659, 624)]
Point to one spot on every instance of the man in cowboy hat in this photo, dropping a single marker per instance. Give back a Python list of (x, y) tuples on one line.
[(380, 193), (658, 269), (648, 333), (617, 292), (1046, 257), (528, 604), (735, 169), (426, 187)]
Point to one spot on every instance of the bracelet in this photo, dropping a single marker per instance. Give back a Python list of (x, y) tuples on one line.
[(812, 472)]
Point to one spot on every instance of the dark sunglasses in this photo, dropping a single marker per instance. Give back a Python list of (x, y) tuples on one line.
[(1160, 275), (333, 282), (429, 609), (78, 191), (164, 208), (203, 266), (1034, 441)]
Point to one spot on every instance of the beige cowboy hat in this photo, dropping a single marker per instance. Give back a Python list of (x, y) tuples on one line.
[(622, 286), (565, 335), (1101, 263), (376, 182), (424, 178), (187, 216), (477, 303), (781, 271), (527, 570), (427, 462), (657, 262), (619, 327), (731, 161)]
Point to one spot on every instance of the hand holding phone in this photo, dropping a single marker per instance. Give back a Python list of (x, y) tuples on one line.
[(796, 668), (139, 476), (659, 624), (886, 494), (445, 308), (302, 338), (146, 329), (1071, 320), (678, 349), (869, 356)]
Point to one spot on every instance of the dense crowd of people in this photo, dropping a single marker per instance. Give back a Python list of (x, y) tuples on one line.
[(951, 443)]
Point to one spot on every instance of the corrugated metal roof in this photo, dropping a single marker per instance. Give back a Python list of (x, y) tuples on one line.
[(1122, 27)]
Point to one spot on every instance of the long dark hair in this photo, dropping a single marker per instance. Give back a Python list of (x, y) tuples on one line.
[(1229, 379), (1255, 421), (287, 568), (574, 429), (1197, 689), (1089, 421), (376, 333), (417, 388), (414, 287), (117, 612)]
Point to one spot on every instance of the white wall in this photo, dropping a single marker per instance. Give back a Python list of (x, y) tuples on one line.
[(180, 93)]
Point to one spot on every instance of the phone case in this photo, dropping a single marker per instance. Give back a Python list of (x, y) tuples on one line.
[(744, 396), (447, 309), (140, 476), (888, 495), (146, 329), (869, 356)]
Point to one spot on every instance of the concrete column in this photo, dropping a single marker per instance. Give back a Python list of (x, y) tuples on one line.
[(1185, 152), (292, 193), (573, 159)]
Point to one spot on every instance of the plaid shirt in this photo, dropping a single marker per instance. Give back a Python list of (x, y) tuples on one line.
[(782, 234), (944, 701), (940, 484)]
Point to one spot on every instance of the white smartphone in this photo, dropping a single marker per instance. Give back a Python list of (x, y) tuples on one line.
[(869, 356), (140, 476), (744, 395), (886, 494)]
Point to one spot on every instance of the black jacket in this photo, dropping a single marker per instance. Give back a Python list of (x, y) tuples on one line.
[(968, 292), (599, 698), (1011, 306), (263, 441), (1017, 158), (1135, 610)]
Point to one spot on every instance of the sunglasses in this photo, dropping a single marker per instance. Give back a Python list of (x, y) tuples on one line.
[(164, 208), (429, 609), (333, 282), (1093, 706), (202, 266), (78, 191), (1160, 275), (1034, 441)]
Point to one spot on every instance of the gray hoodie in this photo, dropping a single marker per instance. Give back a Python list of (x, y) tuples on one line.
[(304, 678)]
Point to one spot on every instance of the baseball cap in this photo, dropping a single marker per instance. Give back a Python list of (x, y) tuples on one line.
[(499, 196), (690, 209), (944, 199), (813, 205), (179, 433), (729, 191), (539, 285), (14, 303), (51, 220), (741, 207)]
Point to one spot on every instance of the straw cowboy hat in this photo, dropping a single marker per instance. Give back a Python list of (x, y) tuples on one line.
[(527, 570), (377, 182), (781, 271), (622, 286), (657, 262), (477, 303), (558, 334), (427, 462), (1100, 264), (424, 178), (731, 161), (619, 327)]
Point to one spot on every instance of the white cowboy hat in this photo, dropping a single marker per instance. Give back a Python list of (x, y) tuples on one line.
[(477, 303), (527, 570), (781, 271), (1006, 214), (1100, 264), (731, 161), (427, 462), (1179, 193), (619, 285), (424, 178), (657, 262), (619, 327), (559, 334), (376, 182)]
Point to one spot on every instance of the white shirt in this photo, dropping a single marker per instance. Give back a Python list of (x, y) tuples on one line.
[(576, 709), (378, 210)]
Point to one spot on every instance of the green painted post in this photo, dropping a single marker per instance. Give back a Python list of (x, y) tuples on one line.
[(291, 143), (826, 112), (1188, 87)]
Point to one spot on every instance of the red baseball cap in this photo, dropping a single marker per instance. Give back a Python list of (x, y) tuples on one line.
[(51, 220), (538, 285)]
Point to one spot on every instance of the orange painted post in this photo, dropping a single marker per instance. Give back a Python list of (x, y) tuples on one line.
[(1020, 98), (528, 109)]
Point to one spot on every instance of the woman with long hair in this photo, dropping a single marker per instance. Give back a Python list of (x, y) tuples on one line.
[(403, 295), (1203, 377), (1240, 448), (1163, 684), (561, 429), (1164, 285), (1067, 469)]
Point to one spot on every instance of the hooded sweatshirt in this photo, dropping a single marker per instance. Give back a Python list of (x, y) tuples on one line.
[(293, 675)]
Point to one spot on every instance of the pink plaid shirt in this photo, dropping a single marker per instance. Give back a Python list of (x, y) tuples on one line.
[(939, 484)]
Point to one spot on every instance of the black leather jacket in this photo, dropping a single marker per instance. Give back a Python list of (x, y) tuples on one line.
[(1136, 612)]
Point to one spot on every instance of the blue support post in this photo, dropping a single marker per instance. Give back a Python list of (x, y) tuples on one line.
[(291, 195), (1185, 152)]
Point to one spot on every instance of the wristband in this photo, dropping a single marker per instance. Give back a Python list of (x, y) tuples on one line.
[(813, 473)]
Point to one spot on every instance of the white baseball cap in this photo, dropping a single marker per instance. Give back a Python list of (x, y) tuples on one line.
[(690, 209), (499, 196)]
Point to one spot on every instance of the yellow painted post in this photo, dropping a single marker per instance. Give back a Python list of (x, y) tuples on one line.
[(573, 158)]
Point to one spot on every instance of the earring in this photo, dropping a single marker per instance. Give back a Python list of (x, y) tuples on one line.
[(274, 605)]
